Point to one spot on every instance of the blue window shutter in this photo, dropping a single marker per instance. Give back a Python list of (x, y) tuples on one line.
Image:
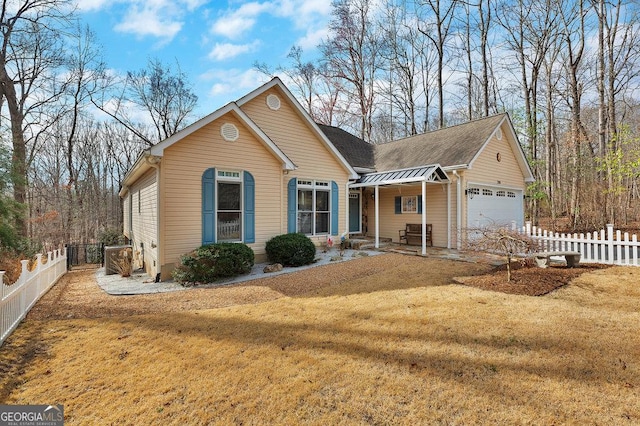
[(249, 208), (419, 203), (398, 201), (292, 205), (335, 196), (209, 206)]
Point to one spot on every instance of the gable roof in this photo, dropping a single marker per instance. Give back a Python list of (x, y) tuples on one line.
[(455, 147), (151, 156), (452, 146), (355, 150), (304, 115), (232, 107), (430, 173)]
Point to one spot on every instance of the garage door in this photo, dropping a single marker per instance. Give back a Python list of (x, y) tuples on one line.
[(490, 205)]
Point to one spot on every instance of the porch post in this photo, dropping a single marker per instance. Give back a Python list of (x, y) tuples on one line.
[(377, 201), (424, 218), (449, 214), (346, 207)]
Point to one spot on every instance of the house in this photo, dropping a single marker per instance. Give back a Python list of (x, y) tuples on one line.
[(470, 175), (259, 167)]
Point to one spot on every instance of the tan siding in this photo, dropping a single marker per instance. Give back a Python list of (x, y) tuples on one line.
[(487, 169), (454, 211), (145, 221), (312, 158), (126, 206), (182, 168), (391, 223)]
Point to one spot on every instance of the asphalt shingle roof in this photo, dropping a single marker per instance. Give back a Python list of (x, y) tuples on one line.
[(452, 146), (357, 152)]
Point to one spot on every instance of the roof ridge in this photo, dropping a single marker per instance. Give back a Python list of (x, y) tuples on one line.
[(445, 128)]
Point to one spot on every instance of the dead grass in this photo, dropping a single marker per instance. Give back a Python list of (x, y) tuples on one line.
[(381, 348)]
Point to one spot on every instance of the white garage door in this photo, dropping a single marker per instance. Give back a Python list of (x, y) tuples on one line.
[(490, 205)]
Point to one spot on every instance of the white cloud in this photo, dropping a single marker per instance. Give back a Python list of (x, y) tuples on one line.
[(312, 39), (224, 51), (93, 5), (230, 84), (308, 15), (305, 13), (158, 18), (234, 24), (149, 21)]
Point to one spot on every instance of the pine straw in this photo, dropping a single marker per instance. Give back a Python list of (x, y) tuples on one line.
[(445, 354)]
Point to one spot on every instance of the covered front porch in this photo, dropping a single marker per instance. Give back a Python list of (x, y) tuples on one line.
[(392, 199)]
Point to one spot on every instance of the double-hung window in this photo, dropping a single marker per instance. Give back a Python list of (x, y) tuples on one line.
[(229, 206), (314, 208)]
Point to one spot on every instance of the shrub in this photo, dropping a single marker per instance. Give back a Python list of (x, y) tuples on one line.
[(213, 261), (291, 250), (111, 237)]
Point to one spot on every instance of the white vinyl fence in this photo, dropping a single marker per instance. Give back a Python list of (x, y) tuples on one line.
[(19, 297), (604, 246)]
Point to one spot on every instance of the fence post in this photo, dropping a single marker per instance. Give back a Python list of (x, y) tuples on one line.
[(610, 242), (38, 272), (20, 284)]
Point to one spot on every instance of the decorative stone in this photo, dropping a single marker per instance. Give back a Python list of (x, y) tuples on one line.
[(360, 254), (276, 267)]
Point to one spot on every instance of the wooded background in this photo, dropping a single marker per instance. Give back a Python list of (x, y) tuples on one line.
[(566, 71)]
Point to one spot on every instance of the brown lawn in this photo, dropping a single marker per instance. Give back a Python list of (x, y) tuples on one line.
[(382, 340)]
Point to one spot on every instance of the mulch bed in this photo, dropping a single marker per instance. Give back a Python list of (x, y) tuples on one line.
[(527, 279)]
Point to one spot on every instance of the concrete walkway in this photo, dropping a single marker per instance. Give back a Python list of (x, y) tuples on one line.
[(141, 283)]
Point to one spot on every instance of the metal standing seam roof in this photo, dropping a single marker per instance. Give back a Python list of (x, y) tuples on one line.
[(431, 173)]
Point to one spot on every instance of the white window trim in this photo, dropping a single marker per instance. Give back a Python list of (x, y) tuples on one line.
[(410, 199), (314, 186), (230, 176)]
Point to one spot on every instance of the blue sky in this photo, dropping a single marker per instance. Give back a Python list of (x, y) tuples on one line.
[(215, 42)]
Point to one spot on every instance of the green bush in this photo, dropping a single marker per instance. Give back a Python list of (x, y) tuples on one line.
[(212, 261), (291, 250), (111, 237)]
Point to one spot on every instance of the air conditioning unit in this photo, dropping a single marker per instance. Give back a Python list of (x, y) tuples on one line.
[(111, 254)]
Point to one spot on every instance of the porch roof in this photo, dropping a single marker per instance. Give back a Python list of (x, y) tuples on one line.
[(431, 173)]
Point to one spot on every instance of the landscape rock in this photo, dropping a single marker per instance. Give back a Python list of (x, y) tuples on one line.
[(276, 267)]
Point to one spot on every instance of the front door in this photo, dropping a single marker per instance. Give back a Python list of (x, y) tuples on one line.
[(355, 213)]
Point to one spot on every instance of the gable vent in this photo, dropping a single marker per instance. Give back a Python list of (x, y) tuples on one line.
[(229, 132), (273, 102), (499, 134)]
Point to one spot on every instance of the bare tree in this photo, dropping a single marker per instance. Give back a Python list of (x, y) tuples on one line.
[(572, 16), (402, 84), (30, 55), (530, 27), (503, 241), (437, 27), (617, 67), (352, 53), (161, 92)]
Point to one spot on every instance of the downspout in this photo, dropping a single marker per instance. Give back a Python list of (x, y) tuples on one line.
[(155, 163), (458, 208)]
